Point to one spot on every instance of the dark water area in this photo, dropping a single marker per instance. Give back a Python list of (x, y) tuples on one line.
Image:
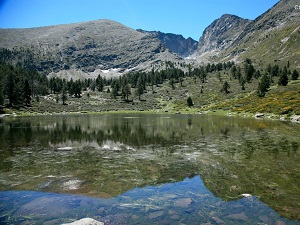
[(149, 169)]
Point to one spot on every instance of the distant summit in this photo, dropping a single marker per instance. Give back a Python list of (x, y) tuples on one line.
[(221, 34), (175, 43), (271, 37)]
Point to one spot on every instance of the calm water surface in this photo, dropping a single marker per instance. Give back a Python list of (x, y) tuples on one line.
[(149, 169)]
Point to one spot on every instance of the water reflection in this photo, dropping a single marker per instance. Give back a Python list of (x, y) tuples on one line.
[(107, 155), (187, 202)]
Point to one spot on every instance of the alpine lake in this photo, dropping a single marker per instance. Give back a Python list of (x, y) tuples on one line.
[(149, 169)]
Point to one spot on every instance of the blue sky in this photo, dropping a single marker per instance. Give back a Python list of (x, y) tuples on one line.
[(188, 17)]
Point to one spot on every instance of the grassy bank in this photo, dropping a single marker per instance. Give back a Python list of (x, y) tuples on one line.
[(207, 97)]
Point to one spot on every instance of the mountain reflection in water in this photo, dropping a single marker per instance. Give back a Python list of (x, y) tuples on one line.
[(186, 202), (105, 156)]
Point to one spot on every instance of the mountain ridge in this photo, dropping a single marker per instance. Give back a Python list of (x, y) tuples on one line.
[(94, 47), (272, 34), (175, 42), (85, 47)]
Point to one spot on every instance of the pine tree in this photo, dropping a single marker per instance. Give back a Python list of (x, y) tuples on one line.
[(181, 81), (125, 92), (225, 87), (295, 75), (263, 85), (233, 71), (172, 83), (27, 93), (283, 79), (64, 96), (139, 87), (1, 92), (10, 88), (189, 101), (99, 83), (77, 88)]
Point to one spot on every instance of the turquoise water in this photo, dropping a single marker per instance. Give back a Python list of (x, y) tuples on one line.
[(149, 169)]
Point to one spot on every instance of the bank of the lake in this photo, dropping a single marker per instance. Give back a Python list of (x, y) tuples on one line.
[(188, 110)]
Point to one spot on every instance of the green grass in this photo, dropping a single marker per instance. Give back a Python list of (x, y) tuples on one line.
[(278, 100)]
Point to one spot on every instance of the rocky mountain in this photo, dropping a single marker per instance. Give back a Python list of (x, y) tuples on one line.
[(271, 37), (83, 49), (175, 43), (221, 33)]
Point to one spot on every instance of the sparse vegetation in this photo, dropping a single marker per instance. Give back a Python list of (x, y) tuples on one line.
[(169, 90)]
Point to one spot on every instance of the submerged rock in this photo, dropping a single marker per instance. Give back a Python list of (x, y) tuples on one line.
[(238, 216), (155, 215), (85, 221), (185, 202), (217, 220)]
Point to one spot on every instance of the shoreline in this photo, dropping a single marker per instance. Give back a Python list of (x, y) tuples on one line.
[(187, 111)]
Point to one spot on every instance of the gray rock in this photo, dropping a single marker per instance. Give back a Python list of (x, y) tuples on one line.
[(217, 220), (238, 216), (295, 119), (155, 215), (85, 221), (259, 115)]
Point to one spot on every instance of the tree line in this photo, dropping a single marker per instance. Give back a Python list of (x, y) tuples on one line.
[(18, 86)]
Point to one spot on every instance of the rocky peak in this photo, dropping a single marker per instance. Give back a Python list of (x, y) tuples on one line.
[(175, 43), (221, 33)]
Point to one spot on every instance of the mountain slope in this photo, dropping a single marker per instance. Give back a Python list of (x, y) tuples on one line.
[(175, 43), (271, 37), (84, 47)]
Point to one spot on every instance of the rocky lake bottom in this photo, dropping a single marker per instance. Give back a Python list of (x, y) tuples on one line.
[(149, 169)]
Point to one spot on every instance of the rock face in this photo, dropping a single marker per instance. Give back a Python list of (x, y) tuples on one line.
[(175, 43), (221, 33), (100, 44)]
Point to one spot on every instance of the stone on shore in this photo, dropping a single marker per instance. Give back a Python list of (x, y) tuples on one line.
[(259, 115), (295, 119)]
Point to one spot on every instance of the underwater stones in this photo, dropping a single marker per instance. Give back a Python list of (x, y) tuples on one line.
[(155, 215), (85, 221), (217, 220), (238, 216), (53, 206), (184, 202)]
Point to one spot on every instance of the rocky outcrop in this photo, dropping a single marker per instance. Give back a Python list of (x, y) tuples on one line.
[(175, 43), (221, 33), (100, 44)]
